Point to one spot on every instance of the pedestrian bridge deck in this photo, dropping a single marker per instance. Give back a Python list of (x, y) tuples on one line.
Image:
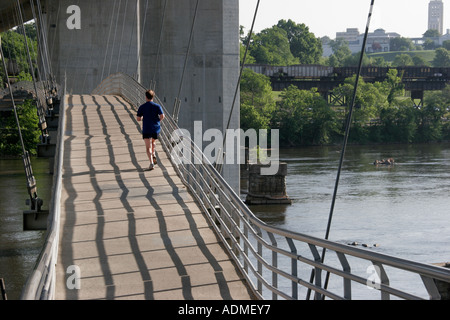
[(131, 233)]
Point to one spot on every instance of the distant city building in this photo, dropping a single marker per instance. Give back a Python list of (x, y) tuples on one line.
[(436, 16), (350, 35), (377, 41)]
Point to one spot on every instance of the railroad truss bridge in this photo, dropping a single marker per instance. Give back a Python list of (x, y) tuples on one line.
[(416, 80)]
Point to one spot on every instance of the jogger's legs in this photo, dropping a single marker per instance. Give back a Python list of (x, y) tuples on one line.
[(149, 147)]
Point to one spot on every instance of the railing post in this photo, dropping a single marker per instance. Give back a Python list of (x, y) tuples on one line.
[(318, 271), (346, 282), (260, 253), (294, 271), (274, 264), (383, 279)]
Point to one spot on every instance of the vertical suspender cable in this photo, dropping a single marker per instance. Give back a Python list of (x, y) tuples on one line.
[(344, 146), (138, 71), (42, 75), (152, 81), (107, 44), (121, 37), (12, 97), (31, 181), (42, 121), (176, 110), (45, 41), (115, 34), (136, 12)]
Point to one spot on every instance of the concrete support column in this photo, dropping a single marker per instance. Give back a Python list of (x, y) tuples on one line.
[(125, 35), (105, 43), (212, 70)]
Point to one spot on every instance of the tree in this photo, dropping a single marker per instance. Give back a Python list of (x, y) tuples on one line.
[(402, 60), (248, 59), (303, 44), (341, 52), (446, 44), (442, 58), (13, 44), (28, 120), (420, 61), (271, 46), (401, 44), (304, 117), (257, 104), (431, 33)]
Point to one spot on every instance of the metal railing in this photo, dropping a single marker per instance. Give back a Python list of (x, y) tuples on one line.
[(278, 263), (40, 284)]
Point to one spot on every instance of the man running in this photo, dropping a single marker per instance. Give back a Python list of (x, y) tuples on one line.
[(152, 114)]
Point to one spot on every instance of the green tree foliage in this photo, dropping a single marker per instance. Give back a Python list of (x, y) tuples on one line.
[(341, 52), (382, 113), (442, 58), (286, 43), (9, 135), (304, 117), (271, 46), (303, 44), (14, 48), (432, 33), (257, 103), (403, 60), (401, 44)]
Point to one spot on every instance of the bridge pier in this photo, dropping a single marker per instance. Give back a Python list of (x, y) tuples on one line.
[(153, 42)]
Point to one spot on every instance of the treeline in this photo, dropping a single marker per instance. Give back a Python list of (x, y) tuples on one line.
[(10, 144), (15, 51), (382, 113), (289, 43)]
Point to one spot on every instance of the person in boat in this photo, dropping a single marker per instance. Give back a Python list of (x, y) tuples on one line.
[(389, 161)]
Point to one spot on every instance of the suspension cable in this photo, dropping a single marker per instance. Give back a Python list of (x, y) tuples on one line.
[(347, 131), (35, 201), (121, 37), (177, 99), (138, 71), (107, 44), (41, 75), (45, 41), (12, 97), (42, 121), (240, 74), (115, 34), (152, 81)]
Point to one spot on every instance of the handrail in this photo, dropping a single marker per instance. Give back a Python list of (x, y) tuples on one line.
[(259, 250), (40, 284)]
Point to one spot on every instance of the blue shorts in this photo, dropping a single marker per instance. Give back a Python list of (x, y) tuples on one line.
[(150, 135)]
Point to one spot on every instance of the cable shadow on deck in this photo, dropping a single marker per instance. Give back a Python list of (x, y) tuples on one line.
[(193, 227)]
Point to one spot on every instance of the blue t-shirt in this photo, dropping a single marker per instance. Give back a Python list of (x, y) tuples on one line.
[(150, 112)]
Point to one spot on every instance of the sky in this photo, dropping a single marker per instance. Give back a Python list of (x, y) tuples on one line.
[(409, 18)]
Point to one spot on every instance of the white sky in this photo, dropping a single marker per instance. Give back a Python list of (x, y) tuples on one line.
[(409, 18)]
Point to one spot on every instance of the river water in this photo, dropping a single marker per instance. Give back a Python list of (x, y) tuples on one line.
[(19, 249), (403, 208)]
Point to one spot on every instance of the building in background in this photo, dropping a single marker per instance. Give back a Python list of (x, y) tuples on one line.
[(436, 16)]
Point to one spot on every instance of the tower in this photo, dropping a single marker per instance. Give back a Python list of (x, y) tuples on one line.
[(436, 16)]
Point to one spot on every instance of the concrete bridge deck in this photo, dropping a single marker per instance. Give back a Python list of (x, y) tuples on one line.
[(133, 234)]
